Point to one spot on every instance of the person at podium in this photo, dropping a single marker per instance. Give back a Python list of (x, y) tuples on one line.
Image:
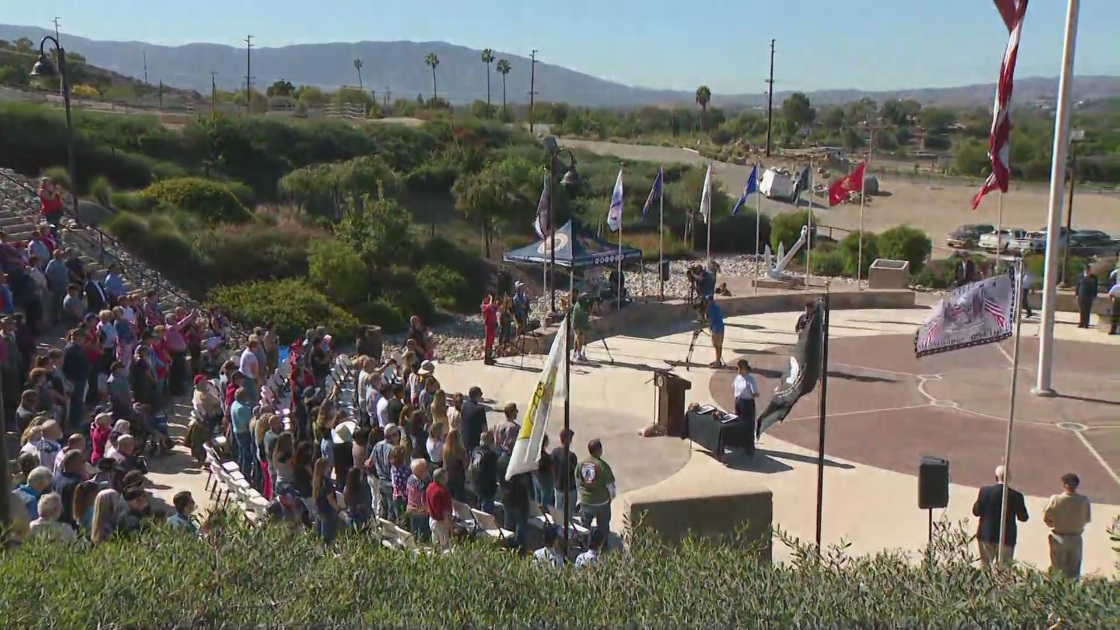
[(746, 391)]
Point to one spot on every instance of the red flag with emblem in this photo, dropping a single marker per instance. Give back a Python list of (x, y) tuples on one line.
[(839, 189)]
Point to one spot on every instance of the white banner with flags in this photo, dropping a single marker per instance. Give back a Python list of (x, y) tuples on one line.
[(534, 424), (972, 315)]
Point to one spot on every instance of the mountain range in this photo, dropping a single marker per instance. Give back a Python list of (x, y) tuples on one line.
[(461, 75)]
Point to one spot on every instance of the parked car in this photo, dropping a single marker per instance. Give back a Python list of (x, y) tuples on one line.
[(968, 235), (1029, 242), (1091, 242), (999, 242)]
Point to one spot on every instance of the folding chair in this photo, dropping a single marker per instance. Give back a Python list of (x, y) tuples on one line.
[(537, 517), (489, 526)]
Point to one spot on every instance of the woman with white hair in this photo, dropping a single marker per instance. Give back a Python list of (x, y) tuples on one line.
[(47, 525)]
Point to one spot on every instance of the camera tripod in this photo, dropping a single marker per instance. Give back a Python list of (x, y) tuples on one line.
[(599, 335), (692, 346)]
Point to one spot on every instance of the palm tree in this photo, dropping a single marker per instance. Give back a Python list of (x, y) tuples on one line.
[(358, 66), (703, 97), (432, 60), (487, 58), (503, 69)]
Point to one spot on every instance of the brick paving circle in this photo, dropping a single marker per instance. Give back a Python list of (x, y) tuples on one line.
[(886, 409)]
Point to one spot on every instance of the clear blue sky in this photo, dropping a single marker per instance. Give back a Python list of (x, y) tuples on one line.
[(866, 44)]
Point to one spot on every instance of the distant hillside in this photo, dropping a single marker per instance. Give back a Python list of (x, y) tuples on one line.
[(461, 74), (87, 80)]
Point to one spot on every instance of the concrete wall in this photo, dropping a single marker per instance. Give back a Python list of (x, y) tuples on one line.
[(704, 513)]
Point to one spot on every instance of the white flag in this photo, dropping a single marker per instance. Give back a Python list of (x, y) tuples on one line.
[(534, 425), (614, 215), (706, 197)]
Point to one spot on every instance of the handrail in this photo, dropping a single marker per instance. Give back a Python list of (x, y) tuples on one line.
[(131, 269)]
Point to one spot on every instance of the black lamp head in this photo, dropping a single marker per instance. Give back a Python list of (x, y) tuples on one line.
[(44, 67)]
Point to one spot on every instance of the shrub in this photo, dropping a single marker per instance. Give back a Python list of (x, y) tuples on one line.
[(292, 304), (447, 288), (240, 253), (157, 240), (409, 300), (381, 313), (849, 248), (786, 228), (1035, 265), (905, 243), (101, 191), (59, 175), (338, 270), (209, 199), (827, 262), (735, 234), (131, 201), (652, 584)]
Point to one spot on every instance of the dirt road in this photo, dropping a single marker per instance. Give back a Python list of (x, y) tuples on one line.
[(937, 209)]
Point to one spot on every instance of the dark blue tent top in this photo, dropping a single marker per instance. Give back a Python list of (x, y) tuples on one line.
[(575, 248)]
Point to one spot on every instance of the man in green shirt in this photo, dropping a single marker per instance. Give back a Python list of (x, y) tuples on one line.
[(596, 489), (581, 322)]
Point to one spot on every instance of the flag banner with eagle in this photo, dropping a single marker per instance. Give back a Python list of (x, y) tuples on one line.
[(840, 189), (801, 376), (975, 314), (534, 425)]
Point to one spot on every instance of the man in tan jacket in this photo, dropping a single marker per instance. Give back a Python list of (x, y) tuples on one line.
[(1066, 515)]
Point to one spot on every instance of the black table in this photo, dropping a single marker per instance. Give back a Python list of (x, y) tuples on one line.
[(709, 431)]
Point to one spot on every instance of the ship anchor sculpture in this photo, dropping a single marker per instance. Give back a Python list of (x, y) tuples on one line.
[(776, 270)]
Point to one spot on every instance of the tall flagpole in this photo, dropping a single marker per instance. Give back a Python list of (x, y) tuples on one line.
[(1018, 284), (661, 233), (569, 474), (757, 220), (822, 401), (708, 216), (862, 198), (999, 233), (809, 234), (620, 245)]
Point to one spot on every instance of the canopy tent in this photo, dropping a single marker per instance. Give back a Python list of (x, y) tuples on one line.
[(576, 248)]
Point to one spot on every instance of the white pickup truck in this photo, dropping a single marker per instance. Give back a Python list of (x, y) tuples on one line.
[(1001, 241), (1029, 242)]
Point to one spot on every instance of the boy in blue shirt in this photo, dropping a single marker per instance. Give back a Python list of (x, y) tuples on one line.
[(715, 326)]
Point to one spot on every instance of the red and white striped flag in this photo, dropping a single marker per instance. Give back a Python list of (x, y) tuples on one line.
[(1012, 12)]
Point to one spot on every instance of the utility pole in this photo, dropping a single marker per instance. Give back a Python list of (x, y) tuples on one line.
[(388, 97), (145, 55), (249, 74), (213, 92), (59, 42), (161, 95), (532, 89), (770, 98)]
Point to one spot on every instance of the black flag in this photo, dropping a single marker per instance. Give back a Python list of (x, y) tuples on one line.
[(801, 376)]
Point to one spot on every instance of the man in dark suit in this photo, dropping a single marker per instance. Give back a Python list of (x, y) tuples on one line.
[(988, 507), (96, 297), (1087, 288), (965, 270)]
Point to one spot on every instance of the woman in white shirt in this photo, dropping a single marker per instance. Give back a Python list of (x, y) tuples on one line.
[(746, 391), (436, 437)]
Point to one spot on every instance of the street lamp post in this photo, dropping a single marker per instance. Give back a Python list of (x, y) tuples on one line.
[(570, 181), (46, 68)]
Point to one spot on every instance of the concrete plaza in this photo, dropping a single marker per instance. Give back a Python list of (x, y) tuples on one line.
[(881, 419)]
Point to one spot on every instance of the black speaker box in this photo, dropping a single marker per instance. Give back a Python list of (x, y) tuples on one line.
[(933, 483)]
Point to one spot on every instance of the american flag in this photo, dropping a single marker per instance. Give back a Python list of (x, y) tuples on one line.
[(994, 309), (1012, 12)]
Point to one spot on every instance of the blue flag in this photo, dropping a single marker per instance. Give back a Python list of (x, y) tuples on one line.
[(654, 192), (752, 186)]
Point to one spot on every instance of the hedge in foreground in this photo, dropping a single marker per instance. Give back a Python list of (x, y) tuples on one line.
[(276, 576)]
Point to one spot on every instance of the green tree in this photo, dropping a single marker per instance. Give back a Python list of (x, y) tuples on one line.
[(358, 66), (504, 69), (971, 158), (380, 231), (338, 271), (797, 110), (311, 96), (432, 61), (280, 88), (703, 97), (495, 194), (487, 58), (936, 120), (833, 119)]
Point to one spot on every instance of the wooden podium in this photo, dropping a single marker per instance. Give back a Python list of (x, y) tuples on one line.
[(670, 401)]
